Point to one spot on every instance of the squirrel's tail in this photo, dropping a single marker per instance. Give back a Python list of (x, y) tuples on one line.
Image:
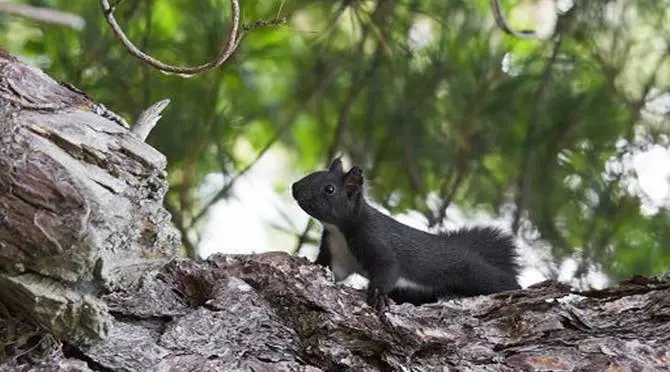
[(494, 246)]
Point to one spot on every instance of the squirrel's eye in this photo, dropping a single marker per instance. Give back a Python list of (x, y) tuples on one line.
[(329, 189)]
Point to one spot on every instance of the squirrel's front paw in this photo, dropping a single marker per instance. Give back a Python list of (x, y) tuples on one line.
[(377, 300)]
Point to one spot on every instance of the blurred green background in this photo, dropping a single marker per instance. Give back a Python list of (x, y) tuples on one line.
[(440, 107)]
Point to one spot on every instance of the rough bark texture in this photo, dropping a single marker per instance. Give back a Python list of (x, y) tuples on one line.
[(84, 284), (80, 204), (273, 312)]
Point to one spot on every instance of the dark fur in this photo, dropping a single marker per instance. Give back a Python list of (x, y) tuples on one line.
[(465, 262)]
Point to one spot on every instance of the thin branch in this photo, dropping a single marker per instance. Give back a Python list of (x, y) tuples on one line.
[(291, 231), (280, 228), (229, 185), (329, 28), (502, 23), (44, 15), (278, 133), (524, 178), (354, 91), (146, 76), (228, 47), (189, 247), (303, 237), (413, 176), (263, 23), (449, 196), (455, 179), (282, 213)]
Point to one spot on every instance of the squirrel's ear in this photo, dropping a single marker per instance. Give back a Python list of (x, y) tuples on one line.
[(353, 181), (336, 166)]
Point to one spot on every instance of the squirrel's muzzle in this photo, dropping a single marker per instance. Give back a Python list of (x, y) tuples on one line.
[(295, 190)]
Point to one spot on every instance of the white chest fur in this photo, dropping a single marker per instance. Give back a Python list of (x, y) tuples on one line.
[(343, 261)]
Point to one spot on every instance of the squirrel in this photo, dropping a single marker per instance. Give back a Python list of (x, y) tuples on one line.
[(401, 262)]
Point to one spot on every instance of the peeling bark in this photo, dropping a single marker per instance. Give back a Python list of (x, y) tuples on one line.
[(80, 204), (89, 279)]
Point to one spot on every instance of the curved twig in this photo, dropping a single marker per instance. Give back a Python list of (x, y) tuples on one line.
[(502, 23), (228, 47)]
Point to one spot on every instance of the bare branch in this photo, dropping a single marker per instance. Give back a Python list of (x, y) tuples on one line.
[(278, 21), (531, 133), (303, 237), (44, 15), (228, 47), (285, 125), (451, 190), (354, 92), (189, 246)]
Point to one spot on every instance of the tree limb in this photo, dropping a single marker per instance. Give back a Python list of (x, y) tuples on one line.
[(44, 15), (228, 47)]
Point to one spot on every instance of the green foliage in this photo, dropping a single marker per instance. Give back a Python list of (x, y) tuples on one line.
[(443, 119)]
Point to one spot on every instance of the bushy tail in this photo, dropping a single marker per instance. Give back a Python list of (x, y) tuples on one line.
[(494, 246)]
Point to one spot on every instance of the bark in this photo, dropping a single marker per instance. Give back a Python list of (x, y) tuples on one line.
[(80, 204), (89, 279)]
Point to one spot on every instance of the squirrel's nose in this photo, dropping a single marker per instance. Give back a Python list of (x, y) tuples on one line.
[(294, 190)]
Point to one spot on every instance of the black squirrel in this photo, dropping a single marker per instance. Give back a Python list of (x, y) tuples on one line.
[(401, 262)]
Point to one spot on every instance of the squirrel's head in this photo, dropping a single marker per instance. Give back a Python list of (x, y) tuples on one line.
[(331, 196)]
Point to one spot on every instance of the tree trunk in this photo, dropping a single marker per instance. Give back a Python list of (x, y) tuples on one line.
[(80, 204), (89, 278)]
